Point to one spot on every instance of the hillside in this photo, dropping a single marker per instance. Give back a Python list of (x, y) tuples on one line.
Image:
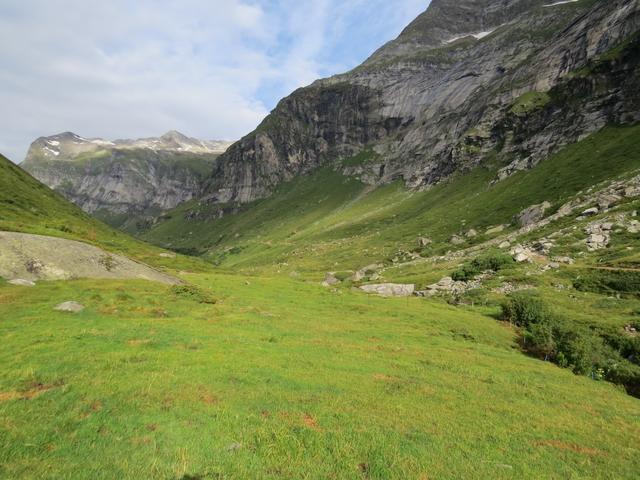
[(125, 183), (28, 206)]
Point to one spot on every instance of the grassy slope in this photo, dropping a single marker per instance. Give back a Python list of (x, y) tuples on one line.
[(327, 222), (307, 383), (28, 206)]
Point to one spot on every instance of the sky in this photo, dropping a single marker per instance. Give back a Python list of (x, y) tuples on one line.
[(211, 69)]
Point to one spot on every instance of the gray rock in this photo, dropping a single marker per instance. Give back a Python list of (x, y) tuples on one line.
[(424, 241), (589, 212), (565, 260), (70, 307), (22, 283), (494, 230), (471, 233), (330, 280), (504, 245), (52, 258), (456, 240), (390, 289), (533, 214)]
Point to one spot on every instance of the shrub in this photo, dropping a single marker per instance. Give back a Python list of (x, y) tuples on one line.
[(525, 309), (193, 293), (608, 281), (494, 262), (539, 339)]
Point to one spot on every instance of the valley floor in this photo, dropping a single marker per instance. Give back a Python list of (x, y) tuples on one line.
[(281, 378)]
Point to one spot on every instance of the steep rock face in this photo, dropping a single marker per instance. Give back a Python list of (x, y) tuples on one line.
[(464, 79), (127, 183)]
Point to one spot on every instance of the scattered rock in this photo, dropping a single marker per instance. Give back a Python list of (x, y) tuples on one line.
[(590, 212), (330, 280), (456, 240), (471, 233), (565, 260), (424, 241), (599, 235), (71, 307), (22, 283), (533, 214), (494, 230), (358, 276), (390, 289), (507, 288), (521, 254), (167, 255), (607, 200), (631, 330)]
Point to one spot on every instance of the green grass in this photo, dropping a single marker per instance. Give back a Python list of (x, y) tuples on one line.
[(284, 379), (530, 102), (325, 221)]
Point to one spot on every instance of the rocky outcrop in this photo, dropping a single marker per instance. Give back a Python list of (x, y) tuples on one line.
[(126, 183), (28, 257), (390, 289), (520, 78)]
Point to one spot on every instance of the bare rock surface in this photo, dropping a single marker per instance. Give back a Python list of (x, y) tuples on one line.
[(70, 307), (390, 289), (36, 257)]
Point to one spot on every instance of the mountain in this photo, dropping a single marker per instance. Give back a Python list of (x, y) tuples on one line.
[(125, 183), (485, 152), (466, 78)]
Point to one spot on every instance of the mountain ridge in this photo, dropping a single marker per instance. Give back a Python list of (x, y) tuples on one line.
[(126, 183), (439, 110)]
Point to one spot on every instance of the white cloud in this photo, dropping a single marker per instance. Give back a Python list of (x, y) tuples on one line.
[(209, 68)]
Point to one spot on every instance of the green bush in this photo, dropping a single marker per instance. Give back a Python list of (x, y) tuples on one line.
[(494, 262), (193, 293), (608, 281), (525, 309), (539, 339)]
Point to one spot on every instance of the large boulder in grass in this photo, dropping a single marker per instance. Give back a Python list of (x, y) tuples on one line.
[(70, 307), (390, 289)]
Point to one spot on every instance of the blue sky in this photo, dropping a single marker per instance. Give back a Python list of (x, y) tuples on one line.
[(209, 68)]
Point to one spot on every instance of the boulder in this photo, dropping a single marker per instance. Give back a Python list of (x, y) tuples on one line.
[(456, 240), (504, 245), (565, 260), (330, 280), (71, 307), (22, 283), (390, 289), (533, 214), (424, 241), (471, 233), (590, 212), (494, 230), (358, 276)]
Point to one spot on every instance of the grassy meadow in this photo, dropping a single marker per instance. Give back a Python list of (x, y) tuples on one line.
[(283, 379)]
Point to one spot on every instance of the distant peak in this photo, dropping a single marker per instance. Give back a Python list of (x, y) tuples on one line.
[(174, 135)]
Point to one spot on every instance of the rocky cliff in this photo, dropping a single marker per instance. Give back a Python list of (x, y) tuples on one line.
[(126, 183), (468, 80)]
